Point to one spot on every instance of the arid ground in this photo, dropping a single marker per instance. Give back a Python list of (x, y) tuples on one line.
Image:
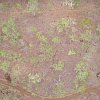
[(49, 49)]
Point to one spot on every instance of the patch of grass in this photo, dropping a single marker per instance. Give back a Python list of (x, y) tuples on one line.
[(33, 6), (58, 66), (10, 31), (34, 78)]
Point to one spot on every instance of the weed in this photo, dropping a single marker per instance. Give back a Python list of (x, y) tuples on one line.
[(33, 6), (59, 66), (35, 78)]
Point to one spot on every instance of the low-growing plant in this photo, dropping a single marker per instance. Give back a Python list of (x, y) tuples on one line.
[(58, 66), (33, 6)]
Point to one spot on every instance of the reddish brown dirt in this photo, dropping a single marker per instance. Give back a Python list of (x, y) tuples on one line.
[(42, 21)]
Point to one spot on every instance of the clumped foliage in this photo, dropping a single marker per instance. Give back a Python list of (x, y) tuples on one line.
[(9, 30)]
